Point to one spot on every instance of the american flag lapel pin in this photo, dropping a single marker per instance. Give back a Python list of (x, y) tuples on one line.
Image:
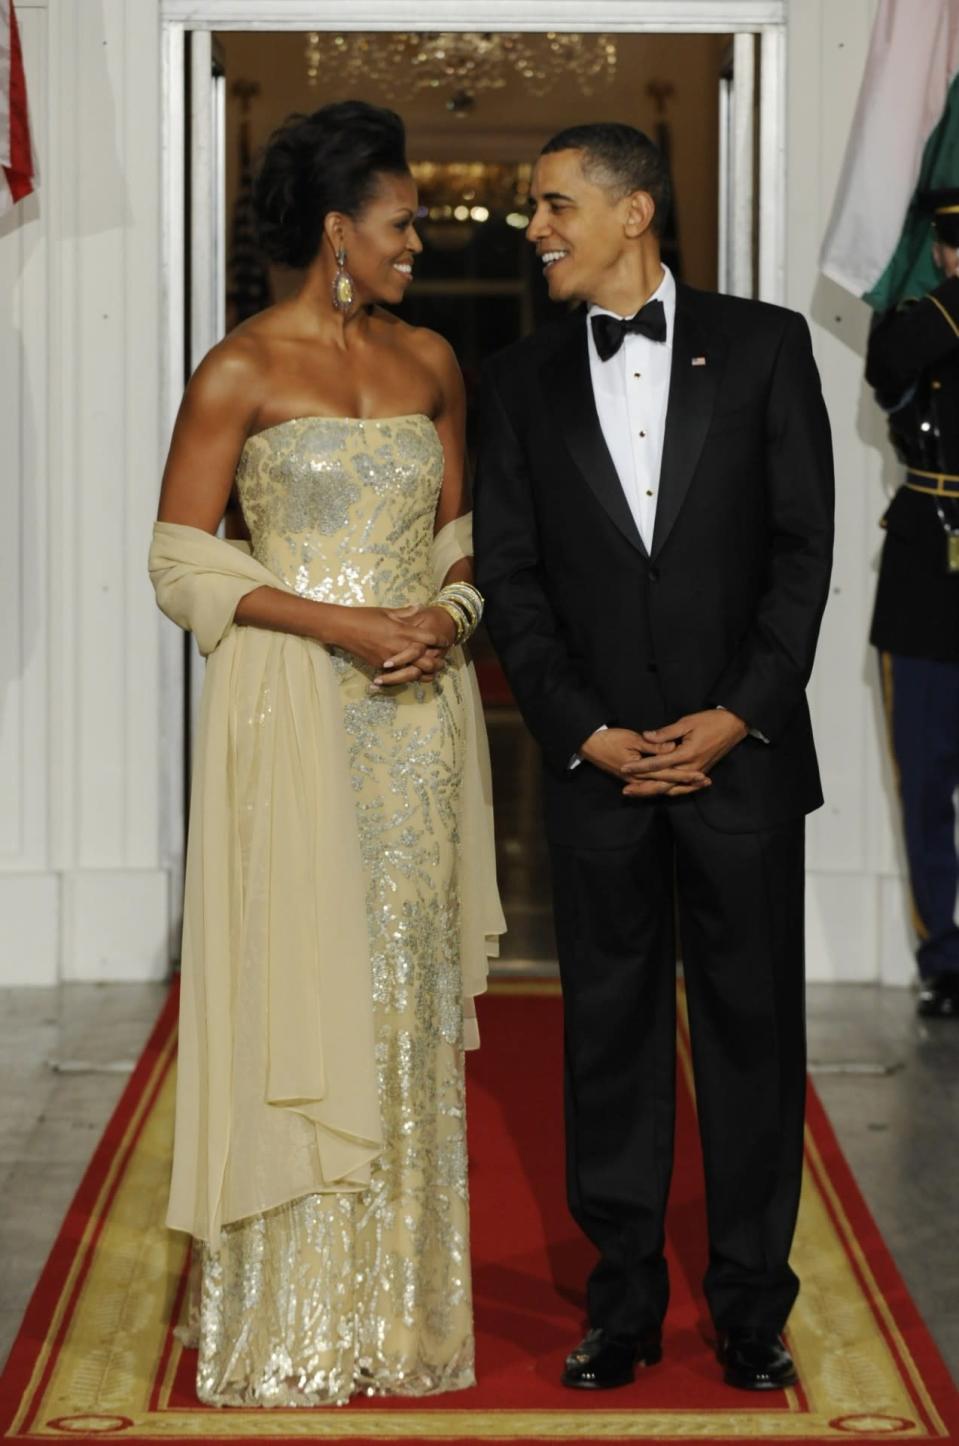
[(699, 361)]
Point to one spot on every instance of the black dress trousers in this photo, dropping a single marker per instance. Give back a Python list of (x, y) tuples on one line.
[(740, 899)]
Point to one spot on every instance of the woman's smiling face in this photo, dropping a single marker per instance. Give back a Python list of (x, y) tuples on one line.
[(381, 242)]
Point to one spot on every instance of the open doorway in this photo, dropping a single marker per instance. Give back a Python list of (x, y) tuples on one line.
[(471, 144), (471, 140)]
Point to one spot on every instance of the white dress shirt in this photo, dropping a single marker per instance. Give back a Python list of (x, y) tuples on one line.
[(631, 391)]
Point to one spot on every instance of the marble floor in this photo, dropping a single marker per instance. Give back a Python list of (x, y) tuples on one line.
[(889, 1081)]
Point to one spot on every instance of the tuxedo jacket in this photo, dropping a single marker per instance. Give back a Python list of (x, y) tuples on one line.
[(723, 610)]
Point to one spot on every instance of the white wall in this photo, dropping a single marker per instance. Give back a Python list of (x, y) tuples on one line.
[(82, 890), (857, 902), (88, 817)]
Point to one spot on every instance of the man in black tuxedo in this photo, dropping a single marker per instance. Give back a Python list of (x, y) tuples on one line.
[(653, 527)]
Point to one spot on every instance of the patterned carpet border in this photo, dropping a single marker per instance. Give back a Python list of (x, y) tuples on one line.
[(96, 1356)]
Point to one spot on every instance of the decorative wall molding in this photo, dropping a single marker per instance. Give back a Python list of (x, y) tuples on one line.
[(114, 924), (30, 945), (80, 781), (857, 929), (660, 15)]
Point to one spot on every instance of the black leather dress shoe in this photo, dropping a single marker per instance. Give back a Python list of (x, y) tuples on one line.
[(599, 1362), (939, 996), (755, 1360)]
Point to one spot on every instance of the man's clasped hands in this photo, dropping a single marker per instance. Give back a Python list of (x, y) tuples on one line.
[(674, 760)]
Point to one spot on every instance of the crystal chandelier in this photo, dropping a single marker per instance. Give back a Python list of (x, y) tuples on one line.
[(463, 63)]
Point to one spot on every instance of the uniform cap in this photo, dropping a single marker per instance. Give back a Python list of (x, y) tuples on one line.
[(942, 207)]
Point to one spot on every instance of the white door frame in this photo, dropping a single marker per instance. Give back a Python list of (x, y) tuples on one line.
[(742, 18), (767, 18)]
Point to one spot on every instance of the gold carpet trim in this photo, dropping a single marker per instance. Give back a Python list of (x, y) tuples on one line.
[(96, 1214), (104, 1374)]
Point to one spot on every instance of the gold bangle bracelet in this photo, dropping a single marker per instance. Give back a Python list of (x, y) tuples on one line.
[(466, 597), (462, 607), (459, 622)]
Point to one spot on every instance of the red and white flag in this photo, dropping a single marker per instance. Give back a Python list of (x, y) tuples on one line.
[(18, 172)]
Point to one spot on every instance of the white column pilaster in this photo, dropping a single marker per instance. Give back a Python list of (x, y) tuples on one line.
[(82, 883)]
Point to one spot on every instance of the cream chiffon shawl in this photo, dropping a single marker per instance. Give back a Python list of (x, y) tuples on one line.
[(275, 889)]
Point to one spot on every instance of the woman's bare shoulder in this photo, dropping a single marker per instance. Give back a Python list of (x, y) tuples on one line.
[(404, 334), (233, 371), (424, 346), (439, 358)]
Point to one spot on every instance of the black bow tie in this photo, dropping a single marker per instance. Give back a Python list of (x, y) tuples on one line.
[(608, 331)]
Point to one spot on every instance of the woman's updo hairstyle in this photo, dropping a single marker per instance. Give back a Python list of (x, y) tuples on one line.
[(314, 164)]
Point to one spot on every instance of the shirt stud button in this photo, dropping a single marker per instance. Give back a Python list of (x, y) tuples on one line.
[(649, 494), (642, 434)]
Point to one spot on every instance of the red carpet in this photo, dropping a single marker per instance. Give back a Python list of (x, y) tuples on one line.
[(97, 1356)]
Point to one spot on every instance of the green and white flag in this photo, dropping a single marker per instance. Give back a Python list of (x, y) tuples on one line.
[(904, 140)]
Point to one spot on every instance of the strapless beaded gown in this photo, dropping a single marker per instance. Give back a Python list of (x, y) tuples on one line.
[(366, 1291)]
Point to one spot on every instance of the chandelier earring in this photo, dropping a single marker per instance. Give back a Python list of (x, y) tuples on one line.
[(344, 292)]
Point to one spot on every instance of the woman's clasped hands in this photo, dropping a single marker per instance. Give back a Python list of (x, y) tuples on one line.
[(406, 645)]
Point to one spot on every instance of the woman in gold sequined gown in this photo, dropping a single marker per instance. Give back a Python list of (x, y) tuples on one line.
[(338, 881)]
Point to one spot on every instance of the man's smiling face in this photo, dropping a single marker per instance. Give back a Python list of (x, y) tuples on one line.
[(577, 227)]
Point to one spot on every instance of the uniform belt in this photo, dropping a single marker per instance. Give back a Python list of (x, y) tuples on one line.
[(935, 484)]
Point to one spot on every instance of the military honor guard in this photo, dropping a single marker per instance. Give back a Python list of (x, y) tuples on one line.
[(913, 367)]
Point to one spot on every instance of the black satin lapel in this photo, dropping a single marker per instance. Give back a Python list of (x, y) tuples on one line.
[(569, 388), (692, 396)]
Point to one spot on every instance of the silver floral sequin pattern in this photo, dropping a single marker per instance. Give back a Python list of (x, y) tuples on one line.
[(343, 510), (370, 1291)]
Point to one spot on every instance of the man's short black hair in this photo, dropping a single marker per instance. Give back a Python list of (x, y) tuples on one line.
[(620, 158)]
